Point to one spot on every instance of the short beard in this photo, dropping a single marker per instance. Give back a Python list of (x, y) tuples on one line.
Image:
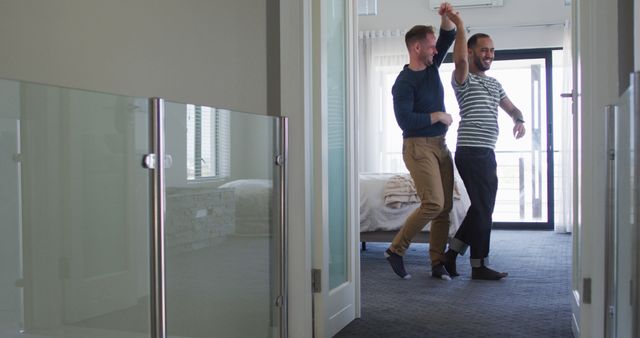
[(481, 67)]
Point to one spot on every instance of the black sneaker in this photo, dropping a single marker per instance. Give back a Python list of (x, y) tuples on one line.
[(439, 271), (450, 263), (484, 273), (397, 264)]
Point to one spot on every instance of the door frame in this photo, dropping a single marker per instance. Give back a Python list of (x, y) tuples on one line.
[(334, 309)]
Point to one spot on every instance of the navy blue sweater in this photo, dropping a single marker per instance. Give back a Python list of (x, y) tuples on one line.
[(418, 94)]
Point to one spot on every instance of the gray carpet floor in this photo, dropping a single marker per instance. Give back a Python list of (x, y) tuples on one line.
[(533, 301)]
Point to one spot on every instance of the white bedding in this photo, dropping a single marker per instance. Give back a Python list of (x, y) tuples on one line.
[(253, 205), (376, 216)]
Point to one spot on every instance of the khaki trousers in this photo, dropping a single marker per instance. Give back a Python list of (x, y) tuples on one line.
[(430, 165)]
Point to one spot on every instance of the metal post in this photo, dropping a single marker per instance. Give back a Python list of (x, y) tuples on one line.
[(635, 114), (282, 162), (156, 245)]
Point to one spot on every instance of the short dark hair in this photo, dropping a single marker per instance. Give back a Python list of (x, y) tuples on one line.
[(473, 40), (417, 33)]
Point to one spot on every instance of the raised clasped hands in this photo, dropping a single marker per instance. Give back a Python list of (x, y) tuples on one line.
[(445, 7)]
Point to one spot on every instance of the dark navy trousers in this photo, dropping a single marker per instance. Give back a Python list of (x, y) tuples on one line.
[(477, 167)]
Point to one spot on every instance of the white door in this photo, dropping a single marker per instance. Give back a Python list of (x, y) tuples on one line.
[(336, 255)]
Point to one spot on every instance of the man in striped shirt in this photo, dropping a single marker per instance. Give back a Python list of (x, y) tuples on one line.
[(479, 97)]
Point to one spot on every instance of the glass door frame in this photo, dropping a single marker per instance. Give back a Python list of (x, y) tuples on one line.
[(546, 54)]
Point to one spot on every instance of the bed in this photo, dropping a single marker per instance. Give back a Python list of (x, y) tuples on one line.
[(253, 203), (380, 222)]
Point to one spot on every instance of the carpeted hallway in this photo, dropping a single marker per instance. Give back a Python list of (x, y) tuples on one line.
[(533, 301)]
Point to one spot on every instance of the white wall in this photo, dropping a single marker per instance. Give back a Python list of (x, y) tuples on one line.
[(210, 52), (498, 22)]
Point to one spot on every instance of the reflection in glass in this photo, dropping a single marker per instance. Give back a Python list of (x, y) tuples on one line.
[(220, 232), (625, 232), (75, 261), (207, 142), (10, 232)]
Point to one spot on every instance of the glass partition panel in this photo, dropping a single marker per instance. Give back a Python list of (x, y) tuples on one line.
[(220, 230), (624, 223), (74, 234), (10, 231), (337, 163)]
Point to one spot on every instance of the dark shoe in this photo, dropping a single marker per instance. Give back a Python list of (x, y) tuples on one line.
[(439, 271), (450, 263), (397, 264), (484, 273)]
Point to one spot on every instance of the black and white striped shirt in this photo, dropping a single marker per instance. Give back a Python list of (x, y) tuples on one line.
[(478, 98)]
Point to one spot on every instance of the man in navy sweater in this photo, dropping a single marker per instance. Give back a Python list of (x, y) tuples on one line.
[(418, 103)]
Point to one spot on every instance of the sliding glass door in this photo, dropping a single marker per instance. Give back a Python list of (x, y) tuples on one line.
[(525, 166)]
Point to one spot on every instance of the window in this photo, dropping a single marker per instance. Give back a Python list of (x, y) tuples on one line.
[(207, 143)]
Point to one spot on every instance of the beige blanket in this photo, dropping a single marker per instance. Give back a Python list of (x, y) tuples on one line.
[(400, 190)]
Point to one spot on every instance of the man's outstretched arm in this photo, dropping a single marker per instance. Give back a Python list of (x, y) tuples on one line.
[(460, 57)]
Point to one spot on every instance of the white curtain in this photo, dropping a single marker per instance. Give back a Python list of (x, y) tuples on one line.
[(563, 132), (381, 56)]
